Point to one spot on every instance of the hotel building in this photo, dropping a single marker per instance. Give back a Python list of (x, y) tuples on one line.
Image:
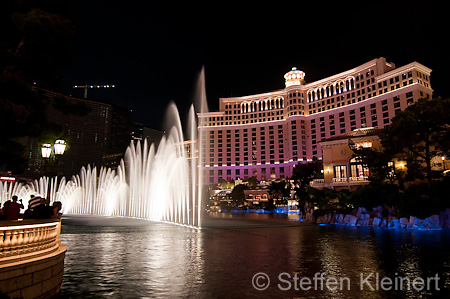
[(266, 135), (99, 137)]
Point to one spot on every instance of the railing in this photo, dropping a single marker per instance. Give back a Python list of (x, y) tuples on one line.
[(27, 239), (339, 180), (317, 183), (359, 179)]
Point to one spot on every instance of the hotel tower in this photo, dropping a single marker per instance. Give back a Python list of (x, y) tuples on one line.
[(265, 135)]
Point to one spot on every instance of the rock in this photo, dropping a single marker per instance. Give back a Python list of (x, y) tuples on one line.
[(411, 223), (376, 221), (329, 218), (424, 224), (324, 219), (378, 211), (394, 223), (333, 219), (365, 219), (350, 220), (444, 218), (360, 211), (310, 218), (404, 222), (383, 223), (417, 223), (339, 219), (433, 221)]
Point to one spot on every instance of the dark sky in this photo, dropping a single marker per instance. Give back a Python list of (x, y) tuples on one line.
[(153, 54)]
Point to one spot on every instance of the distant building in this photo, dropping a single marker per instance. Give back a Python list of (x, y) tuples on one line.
[(257, 195), (98, 138), (265, 135), (141, 132), (341, 169)]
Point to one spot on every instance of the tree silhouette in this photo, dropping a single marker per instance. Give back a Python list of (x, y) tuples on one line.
[(35, 45)]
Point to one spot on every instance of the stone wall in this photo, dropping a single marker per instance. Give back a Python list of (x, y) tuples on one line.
[(35, 278)]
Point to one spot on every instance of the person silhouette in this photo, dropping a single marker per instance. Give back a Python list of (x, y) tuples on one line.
[(13, 209)]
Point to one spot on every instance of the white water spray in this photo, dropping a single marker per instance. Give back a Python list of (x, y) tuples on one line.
[(158, 184)]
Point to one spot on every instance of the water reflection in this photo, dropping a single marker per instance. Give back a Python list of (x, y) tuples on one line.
[(147, 260), (141, 259)]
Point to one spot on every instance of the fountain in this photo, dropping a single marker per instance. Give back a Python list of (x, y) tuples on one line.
[(157, 184)]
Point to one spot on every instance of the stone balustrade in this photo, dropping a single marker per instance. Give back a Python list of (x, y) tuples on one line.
[(20, 240), (31, 258), (339, 180)]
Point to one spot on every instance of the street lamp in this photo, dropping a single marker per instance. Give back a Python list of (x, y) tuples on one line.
[(443, 162), (60, 146), (46, 150), (50, 154)]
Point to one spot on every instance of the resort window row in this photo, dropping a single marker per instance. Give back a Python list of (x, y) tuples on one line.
[(266, 135), (333, 95)]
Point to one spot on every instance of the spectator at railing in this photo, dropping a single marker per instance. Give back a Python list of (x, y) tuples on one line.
[(34, 201), (3, 210), (56, 208), (12, 210), (42, 211)]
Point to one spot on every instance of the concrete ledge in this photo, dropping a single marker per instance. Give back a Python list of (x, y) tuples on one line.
[(39, 277)]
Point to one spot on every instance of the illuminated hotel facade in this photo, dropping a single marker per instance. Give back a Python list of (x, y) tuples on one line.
[(266, 135)]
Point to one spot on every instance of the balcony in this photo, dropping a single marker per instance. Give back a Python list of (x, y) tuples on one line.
[(358, 179), (317, 183), (339, 180)]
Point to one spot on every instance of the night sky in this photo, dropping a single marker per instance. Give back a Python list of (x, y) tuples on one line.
[(153, 54)]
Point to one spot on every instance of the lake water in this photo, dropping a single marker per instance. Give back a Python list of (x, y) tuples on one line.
[(127, 258)]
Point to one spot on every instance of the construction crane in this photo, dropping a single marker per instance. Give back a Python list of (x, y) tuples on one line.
[(86, 87)]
